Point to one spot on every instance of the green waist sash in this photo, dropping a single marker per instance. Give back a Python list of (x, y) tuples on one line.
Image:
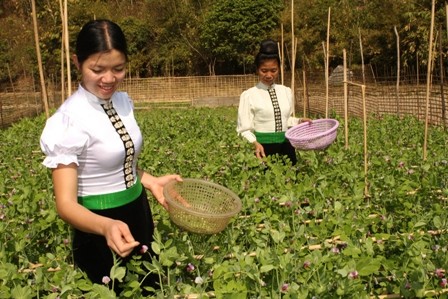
[(275, 137), (111, 200)]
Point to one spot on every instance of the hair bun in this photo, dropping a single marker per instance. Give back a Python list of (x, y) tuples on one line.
[(269, 46)]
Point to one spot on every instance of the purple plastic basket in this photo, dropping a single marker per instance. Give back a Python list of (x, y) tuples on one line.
[(315, 136)]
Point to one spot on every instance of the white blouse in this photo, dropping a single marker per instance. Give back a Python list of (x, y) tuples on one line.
[(256, 113), (80, 132)]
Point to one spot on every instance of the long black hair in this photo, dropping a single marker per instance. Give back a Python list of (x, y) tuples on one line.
[(100, 36)]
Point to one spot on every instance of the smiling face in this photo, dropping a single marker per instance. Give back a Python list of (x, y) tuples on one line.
[(102, 73), (268, 71)]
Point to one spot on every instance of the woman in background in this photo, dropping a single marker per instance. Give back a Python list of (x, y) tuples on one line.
[(265, 110), (92, 144)]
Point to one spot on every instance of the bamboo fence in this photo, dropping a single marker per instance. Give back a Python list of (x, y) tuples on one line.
[(24, 99)]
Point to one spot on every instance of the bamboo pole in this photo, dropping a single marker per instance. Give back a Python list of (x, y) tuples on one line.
[(364, 112), (397, 88), (327, 63), (446, 16), (345, 98), (442, 72), (282, 55), (305, 95), (39, 60), (67, 50), (61, 9), (362, 57), (418, 86), (428, 81), (293, 60)]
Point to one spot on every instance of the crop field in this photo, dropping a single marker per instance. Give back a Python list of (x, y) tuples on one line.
[(305, 231)]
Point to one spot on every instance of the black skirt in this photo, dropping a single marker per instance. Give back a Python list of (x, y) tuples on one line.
[(91, 252), (282, 149)]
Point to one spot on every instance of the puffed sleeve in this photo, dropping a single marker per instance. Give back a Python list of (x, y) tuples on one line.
[(245, 125), (61, 141)]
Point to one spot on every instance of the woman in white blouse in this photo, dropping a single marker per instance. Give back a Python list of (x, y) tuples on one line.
[(265, 110), (91, 144)]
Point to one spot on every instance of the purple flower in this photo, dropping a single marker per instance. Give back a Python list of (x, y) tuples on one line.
[(436, 247), (273, 198), (335, 250), (439, 273), (257, 200), (65, 241), (106, 279), (401, 164), (443, 282), (288, 204), (285, 287), (190, 267), (407, 285), (353, 275), (307, 264), (143, 249)]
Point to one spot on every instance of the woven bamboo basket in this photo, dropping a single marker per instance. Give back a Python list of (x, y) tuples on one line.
[(200, 206), (317, 135)]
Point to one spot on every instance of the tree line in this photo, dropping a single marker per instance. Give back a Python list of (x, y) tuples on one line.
[(215, 37)]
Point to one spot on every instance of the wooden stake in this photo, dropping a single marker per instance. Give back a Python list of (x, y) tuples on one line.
[(442, 79), (364, 112), (397, 88), (293, 59), (282, 62), (39, 60), (67, 50), (428, 80), (61, 9), (305, 95), (345, 98), (362, 57), (327, 63)]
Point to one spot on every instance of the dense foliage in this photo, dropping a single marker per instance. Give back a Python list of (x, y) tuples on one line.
[(205, 37), (304, 231)]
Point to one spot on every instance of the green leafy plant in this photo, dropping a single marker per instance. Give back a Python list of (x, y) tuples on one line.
[(305, 231)]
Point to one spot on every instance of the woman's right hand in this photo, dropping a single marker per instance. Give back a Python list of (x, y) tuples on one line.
[(259, 150), (119, 237), (306, 119)]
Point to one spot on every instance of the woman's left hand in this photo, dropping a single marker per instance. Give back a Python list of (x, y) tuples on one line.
[(306, 119), (156, 184)]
